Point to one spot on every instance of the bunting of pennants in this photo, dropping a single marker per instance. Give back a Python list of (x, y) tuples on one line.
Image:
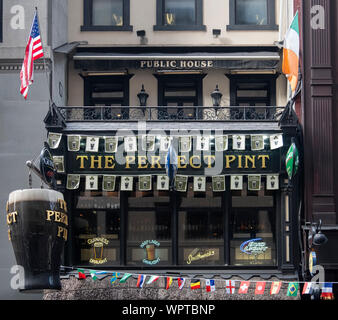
[(145, 182), (258, 287), (148, 142)]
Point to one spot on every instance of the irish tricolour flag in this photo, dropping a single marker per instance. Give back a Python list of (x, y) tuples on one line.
[(291, 53)]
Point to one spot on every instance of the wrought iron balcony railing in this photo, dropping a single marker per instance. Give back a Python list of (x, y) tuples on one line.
[(169, 113)]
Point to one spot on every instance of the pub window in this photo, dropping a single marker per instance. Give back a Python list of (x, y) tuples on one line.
[(252, 91), (252, 15), (179, 15), (149, 236), (106, 15), (253, 228), (109, 91), (200, 229), (180, 93), (96, 228)]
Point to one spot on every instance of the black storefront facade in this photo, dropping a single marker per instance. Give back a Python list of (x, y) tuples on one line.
[(233, 211)]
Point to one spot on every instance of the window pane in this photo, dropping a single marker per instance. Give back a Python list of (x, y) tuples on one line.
[(149, 229), (180, 12), (96, 229), (253, 230), (254, 12), (107, 12), (200, 229)]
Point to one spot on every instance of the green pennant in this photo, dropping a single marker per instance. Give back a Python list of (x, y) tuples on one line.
[(292, 161), (125, 277), (93, 274), (292, 289)]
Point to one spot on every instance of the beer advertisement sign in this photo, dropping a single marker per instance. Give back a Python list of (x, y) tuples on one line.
[(151, 256)]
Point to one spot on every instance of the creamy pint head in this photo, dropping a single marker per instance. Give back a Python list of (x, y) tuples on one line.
[(34, 195)]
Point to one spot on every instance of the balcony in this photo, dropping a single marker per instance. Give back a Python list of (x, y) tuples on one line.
[(170, 113)]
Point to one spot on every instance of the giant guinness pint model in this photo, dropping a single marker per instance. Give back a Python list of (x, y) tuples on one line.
[(38, 228)]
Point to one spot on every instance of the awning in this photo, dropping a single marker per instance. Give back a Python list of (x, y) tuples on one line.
[(174, 61)]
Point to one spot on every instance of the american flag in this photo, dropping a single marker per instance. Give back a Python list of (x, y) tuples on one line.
[(33, 52)]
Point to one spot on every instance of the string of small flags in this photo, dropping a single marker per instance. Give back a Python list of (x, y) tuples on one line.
[(148, 142), (260, 286)]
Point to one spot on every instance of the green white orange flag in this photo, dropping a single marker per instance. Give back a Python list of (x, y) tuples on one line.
[(291, 53)]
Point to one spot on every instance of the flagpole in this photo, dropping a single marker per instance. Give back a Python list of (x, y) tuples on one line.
[(44, 64)]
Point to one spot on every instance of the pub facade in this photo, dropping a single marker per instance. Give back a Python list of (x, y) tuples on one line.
[(206, 79)]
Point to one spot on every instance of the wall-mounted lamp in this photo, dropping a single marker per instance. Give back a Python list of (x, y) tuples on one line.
[(216, 97), (216, 32), (141, 33), (143, 96), (316, 237)]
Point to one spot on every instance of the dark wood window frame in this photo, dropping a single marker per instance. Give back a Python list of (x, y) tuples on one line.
[(88, 18), (271, 25), (160, 26), (234, 79)]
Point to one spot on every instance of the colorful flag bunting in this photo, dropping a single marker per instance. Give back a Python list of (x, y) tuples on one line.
[(93, 274), (153, 279), (327, 292), (81, 274), (292, 289), (140, 280), (125, 277), (210, 285), (230, 286), (244, 286), (260, 287), (275, 287), (307, 289), (168, 282), (181, 282), (115, 275), (195, 284)]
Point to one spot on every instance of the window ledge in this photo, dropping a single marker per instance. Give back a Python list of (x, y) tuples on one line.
[(180, 28), (239, 27), (107, 28)]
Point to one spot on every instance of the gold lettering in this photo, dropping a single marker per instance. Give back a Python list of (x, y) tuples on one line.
[(210, 64), (50, 213), (94, 161), (228, 160), (209, 160), (251, 159), (57, 216), (142, 64), (239, 162), (180, 163), (63, 231), (203, 64), (142, 162), (192, 163), (155, 160), (11, 217), (129, 159), (108, 162), (62, 204), (82, 158), (263, 157), (9, 235)]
